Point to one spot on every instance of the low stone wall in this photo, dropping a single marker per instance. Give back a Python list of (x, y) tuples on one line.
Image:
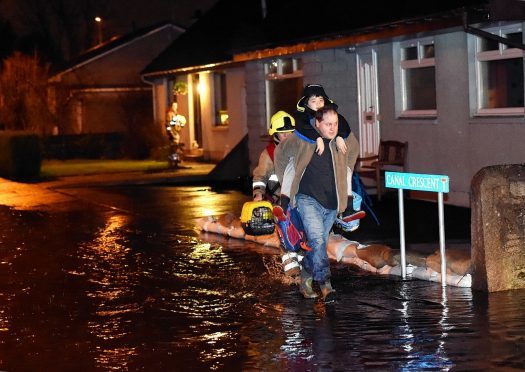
[(498, 228)]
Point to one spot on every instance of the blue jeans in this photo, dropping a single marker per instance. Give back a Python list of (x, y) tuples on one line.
[(317, 222)]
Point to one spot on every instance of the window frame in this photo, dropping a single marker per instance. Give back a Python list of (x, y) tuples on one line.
[(279, 74), (504, 52), (222, 89), (420, 62)]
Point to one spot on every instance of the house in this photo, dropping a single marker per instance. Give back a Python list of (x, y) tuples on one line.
[(201, 59), (101, 91), (446, 77)]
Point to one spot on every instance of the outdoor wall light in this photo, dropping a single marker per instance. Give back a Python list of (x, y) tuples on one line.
[(201, 88)]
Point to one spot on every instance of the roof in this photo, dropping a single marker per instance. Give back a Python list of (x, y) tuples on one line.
[(304, 20), (237, 26), (112, 45), (212, 37)]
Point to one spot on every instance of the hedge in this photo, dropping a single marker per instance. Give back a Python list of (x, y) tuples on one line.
[(20, 155)]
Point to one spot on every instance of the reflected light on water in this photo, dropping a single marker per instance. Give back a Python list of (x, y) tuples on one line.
[(209, 205), (441, 353), (103, 290), (108, 239), (201, 251), (295, 344), (424, 350), (214, 350), (205, 203), (4, 318), (110, 269), (116, 359), (210, 305), (406, 332), (212, 338)]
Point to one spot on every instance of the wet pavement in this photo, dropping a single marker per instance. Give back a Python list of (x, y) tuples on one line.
[(111, 277), (52, 194)]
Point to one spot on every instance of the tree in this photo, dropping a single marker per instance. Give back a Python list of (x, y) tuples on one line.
[(23, 95)]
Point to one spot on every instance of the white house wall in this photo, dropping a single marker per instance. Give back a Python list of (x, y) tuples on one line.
[(219, 141), (454, 143), (256, 111)]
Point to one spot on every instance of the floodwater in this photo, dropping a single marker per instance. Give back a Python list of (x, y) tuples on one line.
[(125, 282)]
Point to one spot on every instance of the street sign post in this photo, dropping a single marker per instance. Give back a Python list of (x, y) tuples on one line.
[(420, 182)]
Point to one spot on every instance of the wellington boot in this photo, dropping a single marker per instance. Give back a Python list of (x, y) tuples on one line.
[(306, 288), (291, 265), (327, 292)]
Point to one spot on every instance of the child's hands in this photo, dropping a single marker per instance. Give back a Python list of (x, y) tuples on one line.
[(341, 145), (320, 146)]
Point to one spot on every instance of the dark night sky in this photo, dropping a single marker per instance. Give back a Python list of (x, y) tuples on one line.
[(122, 14), (39, 26)]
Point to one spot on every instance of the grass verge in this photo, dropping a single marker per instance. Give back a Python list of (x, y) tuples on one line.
[(61, 168)]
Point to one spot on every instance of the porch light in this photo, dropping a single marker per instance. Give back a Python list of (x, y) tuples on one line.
[(201, 88)]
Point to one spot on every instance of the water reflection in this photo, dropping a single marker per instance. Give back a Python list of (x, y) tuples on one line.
[(423, 351), (136, 287), (404, 334), (106, 264)]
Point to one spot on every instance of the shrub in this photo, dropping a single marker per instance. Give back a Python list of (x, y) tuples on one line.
[(23, 94), (20, 155)]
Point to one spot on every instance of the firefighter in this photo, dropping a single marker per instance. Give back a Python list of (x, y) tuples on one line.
[(265, 184)]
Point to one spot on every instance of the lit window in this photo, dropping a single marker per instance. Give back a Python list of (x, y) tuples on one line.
[(418, 78), (284, 84), (220, 98), (499, 73)]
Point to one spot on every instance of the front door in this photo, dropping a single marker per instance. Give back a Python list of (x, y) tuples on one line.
[(369, 132)]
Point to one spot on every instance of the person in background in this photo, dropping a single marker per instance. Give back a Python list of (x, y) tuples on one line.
[(318, 186), (175, 123), (265, 184)]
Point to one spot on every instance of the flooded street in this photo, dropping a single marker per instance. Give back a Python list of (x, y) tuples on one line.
[(125, 282)]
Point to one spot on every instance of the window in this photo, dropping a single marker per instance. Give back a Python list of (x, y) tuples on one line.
[(220, 99), (284, 84), (418, 78), (499, 74)]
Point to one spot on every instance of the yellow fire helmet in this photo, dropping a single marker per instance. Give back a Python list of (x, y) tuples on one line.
[(281, 122)]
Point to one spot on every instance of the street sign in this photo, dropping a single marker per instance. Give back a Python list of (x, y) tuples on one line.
[(416, 181), (420, 182)]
